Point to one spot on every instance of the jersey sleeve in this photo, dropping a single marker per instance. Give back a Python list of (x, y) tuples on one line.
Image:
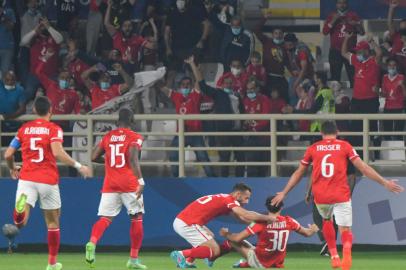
[(56, 134), (255, 228), (231, 203), (137, 141), (351, 152), (307, 158), (293, 224)]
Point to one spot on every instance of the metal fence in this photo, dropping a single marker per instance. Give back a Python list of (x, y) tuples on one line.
[(272, 134)]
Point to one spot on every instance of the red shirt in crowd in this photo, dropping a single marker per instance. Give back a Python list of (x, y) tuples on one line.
[(206, 208), (99, 96), (399, 51), (129, 47), (239, 83), (259, 105), (39, 164), (64, 101), (39, 47), (258, 71), (277, 105), (329, 176), (119, 174), (366, 77), (338, 30), (188, 105), (76, 68), (303, 55), (393, 91), (273, 240)]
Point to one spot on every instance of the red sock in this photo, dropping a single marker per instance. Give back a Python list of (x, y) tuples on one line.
[(346, 239), (136, 235), (54, 237), (201, 252), (244, 265), (190, 260), (225, 248), (98, 229), (330, 237), (18, 218)]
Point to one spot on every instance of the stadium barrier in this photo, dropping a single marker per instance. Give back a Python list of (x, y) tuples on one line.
[(379, 216), (90, 135)]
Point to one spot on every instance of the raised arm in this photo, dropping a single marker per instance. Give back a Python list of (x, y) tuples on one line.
[(85, 77), (56, 36), (128, 80), (377, 49), (392, 7), (109, 27), (167, 37), (369, 172), (344, 49)]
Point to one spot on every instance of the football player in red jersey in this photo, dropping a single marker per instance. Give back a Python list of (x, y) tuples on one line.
[(123, 185), (270, 251), (41, 144), (331, 191), (190, 224)]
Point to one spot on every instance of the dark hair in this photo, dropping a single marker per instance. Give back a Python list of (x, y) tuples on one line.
[(273, 208), (42, 105), (322, 75), (290, 37), (241, 187), (186, 78), (392, 59), (125, 116), (329, 128)]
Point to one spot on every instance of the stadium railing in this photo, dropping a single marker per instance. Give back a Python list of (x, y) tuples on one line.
[(273, 135)]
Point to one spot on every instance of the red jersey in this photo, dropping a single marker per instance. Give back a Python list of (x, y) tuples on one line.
[(38, 49), (239, 83), (129, 47), (119, 175), (329, 176), (64, 101), (206, 208), (188, 105), (273, 240), (76, 68), (277, 105), (366, 77), (256, 71), (99, 96), (399, 51), (393, 91), (39, 164), (259, 105), (303, 55), (338, 30)]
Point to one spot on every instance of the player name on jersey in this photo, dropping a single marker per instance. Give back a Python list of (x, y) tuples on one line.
[(331, 147), (36, 130), (115, 138), (277, 225)]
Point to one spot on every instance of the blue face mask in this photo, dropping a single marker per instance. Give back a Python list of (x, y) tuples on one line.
[(63, 84), (361, 57), (185, 91), (236, 31), (251, 95), (392, 71), (104, 85), (228, 91), (277, 41)]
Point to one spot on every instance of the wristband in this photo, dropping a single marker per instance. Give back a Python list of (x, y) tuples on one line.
[(141, 181), (77, 165)]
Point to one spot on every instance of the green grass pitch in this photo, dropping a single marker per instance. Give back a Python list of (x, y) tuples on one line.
[(161, 261)]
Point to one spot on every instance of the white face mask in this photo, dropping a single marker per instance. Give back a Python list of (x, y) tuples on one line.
[(180, 4), (9, 87), (235, 71)]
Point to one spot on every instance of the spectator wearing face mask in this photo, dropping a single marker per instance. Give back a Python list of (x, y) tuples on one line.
[(187, 101), (397, 38), (225, 102), (257, 70), (7, 22), (339, 22), (238, 76), (124, 40), (256, 103), (275, 58), (103, 91), (44, 38), (366, 81), (186, 30), (394, 91), (12, 98), (237, 43)]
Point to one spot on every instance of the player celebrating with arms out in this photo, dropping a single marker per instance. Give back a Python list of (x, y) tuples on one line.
[(123, 185), (41, 144), (331, 191), (270, 251), (190, 224)]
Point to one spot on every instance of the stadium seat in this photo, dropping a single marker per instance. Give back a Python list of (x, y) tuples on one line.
[(212, 72), (294, 155), (393, 154)]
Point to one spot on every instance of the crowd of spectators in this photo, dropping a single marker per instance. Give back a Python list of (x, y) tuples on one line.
[(81, 64)]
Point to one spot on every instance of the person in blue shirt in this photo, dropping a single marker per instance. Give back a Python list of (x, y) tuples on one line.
[(12, 98), (7, 22)]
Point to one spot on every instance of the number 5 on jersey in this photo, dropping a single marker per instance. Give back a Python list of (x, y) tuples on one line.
[(35, 147)]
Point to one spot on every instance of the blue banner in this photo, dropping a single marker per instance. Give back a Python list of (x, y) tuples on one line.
[(379, 217)]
